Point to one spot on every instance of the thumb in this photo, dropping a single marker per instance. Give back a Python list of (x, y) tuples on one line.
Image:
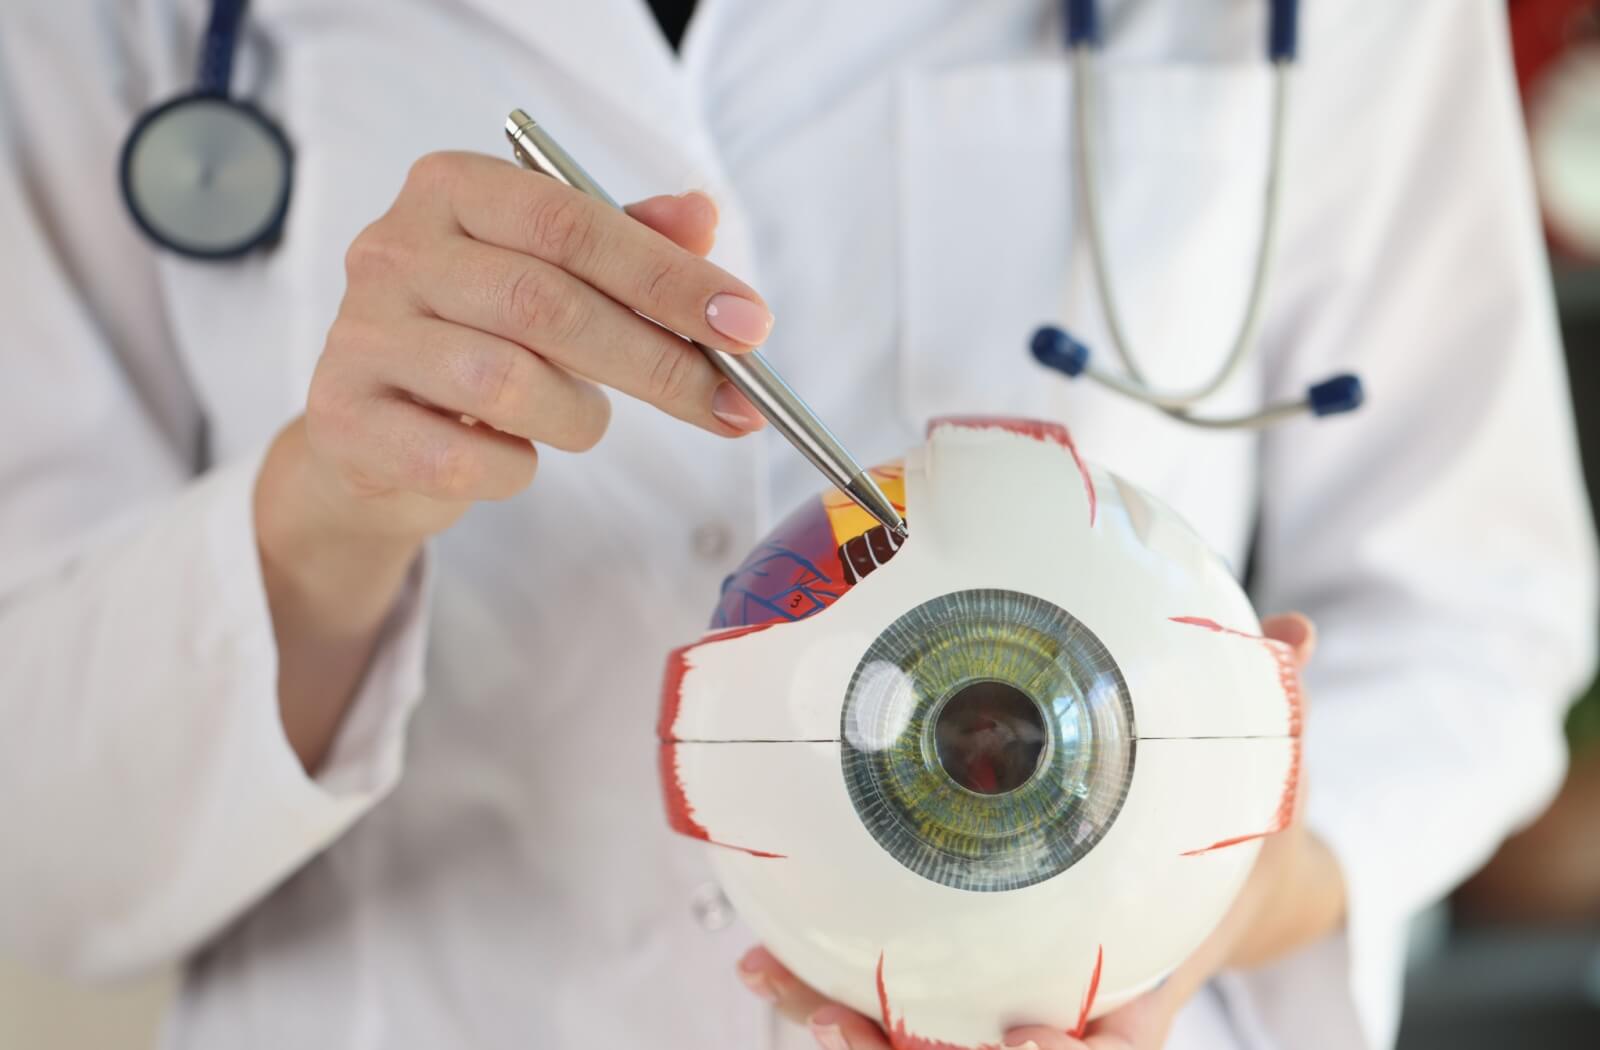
[(689, 219), (1294, 630)]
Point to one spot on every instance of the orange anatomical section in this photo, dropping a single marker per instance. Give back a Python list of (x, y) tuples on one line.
[(811, 559)]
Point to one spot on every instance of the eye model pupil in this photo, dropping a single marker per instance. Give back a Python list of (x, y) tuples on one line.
[(990, 737)]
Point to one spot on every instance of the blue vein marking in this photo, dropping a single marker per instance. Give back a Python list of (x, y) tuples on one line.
[(758, 565)]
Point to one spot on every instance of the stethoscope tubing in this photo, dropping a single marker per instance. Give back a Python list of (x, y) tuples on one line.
[(1086, 153), (1056, 349)]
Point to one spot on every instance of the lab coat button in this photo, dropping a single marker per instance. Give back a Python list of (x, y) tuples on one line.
[(711, 540), (711, 908)]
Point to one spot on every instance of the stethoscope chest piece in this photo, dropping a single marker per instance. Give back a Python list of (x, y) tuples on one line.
[(207, 176), (204, 174)]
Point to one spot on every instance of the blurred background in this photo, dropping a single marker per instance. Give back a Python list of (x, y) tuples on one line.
[(1513, 958)]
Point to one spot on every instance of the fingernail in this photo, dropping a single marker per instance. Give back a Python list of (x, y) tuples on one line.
[(701, 195), (757, 982), (733, 408), (829, 1037), (739, 319)]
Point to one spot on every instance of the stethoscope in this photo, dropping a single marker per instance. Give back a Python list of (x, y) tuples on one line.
[(1053, 347), (208, 176), (203, 174)]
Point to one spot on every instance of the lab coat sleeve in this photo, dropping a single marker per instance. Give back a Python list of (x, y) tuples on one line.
[(147, 791), (1440, 536)]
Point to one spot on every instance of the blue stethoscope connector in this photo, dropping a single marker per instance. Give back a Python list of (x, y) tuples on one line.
[(1054, 348)]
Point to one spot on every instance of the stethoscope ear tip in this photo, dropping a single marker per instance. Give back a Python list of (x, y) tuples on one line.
[(1054, 348), (1336, 394)]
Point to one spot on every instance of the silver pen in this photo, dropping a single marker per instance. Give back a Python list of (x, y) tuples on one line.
[(750, 373)]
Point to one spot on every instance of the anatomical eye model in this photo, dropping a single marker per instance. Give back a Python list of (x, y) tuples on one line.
[(1011, 770)]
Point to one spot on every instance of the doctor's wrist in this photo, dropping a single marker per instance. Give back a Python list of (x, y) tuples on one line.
[(307, 519), (1301, 900), (330, 585)]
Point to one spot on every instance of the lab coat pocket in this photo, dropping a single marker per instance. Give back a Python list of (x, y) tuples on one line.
[(991, 241)]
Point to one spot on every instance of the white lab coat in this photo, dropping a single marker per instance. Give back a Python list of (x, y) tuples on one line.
[(483, 861)]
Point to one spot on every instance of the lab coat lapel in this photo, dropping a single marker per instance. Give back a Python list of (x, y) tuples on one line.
[(615, 49)]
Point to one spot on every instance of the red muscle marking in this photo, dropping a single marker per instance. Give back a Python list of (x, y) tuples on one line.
[(1088, 997), (1210, 625), (1289, 680), (899, 1038), (678, 666), (680, 815), (1038, 429), (1225, 843)]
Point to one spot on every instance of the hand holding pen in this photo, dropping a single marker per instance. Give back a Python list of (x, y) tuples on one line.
[(538, 151), (483, 293), (487, 293)]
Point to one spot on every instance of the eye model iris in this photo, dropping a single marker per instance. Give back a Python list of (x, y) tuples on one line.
[(987, 740)]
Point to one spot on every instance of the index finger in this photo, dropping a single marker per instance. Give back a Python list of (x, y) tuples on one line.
[(499, 203), (837, 1027), (1039, 1037), (772, 980)]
